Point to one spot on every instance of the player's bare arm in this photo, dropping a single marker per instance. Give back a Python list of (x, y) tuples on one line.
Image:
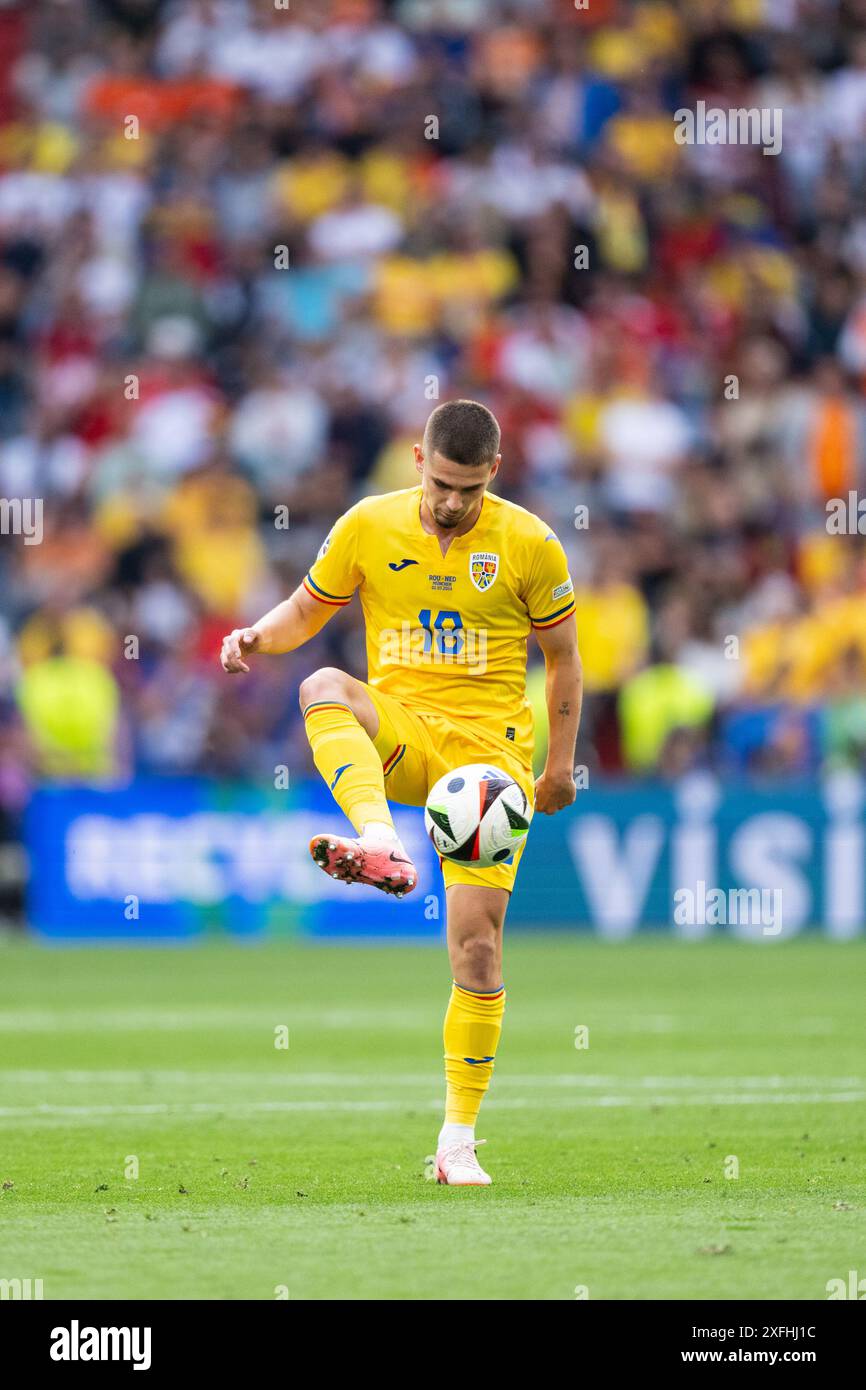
[(555, 788), (285, 628)]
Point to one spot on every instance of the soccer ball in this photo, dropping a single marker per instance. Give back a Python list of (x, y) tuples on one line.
[(477, 815)]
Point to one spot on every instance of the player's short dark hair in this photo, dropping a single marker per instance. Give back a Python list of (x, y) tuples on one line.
[(464, 432)]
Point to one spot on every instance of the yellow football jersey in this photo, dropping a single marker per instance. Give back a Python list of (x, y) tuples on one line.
[(448, 632)]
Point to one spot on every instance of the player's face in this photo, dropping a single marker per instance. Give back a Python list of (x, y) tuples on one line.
[(452, 492)]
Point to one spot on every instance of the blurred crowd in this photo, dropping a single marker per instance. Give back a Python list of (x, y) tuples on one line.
[(245, 248)]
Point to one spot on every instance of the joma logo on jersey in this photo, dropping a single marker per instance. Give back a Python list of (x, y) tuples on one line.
[(483, 568)]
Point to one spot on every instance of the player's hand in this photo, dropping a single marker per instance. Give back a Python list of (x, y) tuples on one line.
[(553, 791), (238, 644)]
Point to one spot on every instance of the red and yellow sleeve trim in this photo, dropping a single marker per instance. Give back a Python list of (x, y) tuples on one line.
[(332, 600), (552, 619)]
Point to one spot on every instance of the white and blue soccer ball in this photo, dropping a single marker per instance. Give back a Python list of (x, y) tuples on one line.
[(477, 815)]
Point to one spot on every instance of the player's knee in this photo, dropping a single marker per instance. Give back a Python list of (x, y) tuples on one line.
[(328, 683), (477, 965)]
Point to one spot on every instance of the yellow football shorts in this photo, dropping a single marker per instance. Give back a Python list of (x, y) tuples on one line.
[(418, 746)]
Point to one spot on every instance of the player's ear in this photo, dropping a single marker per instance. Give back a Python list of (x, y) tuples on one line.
[(494, 468), (419, 458)]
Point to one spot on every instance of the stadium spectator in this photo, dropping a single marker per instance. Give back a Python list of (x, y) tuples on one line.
[(223, 320)]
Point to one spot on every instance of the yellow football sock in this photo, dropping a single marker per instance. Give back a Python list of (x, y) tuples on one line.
[(344, 754), (473, 1023)]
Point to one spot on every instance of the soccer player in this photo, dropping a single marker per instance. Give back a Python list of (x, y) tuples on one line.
[(452, 579)]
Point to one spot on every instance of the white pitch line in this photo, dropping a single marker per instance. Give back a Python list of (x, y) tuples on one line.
[(192, 1018), (195, 1018), (85, 1112), (181, 1077)]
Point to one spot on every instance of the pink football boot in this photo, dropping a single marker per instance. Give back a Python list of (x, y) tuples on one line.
[(383, 863)]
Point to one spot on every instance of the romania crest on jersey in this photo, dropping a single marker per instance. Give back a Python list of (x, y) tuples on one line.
[(483, 568)]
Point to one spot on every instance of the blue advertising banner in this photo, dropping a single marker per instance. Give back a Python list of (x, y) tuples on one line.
[(182, 858)]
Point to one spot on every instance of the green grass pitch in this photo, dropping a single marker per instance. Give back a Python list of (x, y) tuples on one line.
[(265, 1171)]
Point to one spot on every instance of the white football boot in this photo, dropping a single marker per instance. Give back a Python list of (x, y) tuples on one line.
[(457, 1165)]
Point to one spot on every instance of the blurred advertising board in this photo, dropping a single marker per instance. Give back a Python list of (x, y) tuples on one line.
[(184, 858)]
